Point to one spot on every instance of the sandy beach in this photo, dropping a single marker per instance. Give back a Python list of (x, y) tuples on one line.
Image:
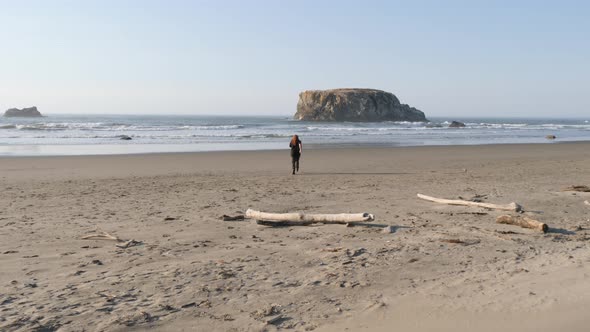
[(443, 268)]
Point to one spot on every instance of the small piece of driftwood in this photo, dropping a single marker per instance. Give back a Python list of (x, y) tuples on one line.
[(523, 221), (581, 188), (505, 207), (130, 243), (101, 236), (341, 218), (586, 202)]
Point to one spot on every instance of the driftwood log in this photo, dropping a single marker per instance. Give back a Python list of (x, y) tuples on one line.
[(505, 207), (523, 221), (341, 218), (577, 188), (302, 219)]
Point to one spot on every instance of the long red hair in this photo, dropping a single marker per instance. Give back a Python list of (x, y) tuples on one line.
[(294, 140)]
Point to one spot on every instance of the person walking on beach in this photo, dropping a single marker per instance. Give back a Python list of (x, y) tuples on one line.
[(296, 149)]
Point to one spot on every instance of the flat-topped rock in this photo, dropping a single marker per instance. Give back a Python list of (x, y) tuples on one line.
[(30, 112), (359, 105)]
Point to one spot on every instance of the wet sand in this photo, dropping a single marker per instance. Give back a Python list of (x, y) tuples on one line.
[(443, 268)]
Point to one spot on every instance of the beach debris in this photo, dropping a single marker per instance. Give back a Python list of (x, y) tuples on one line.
[(306, 219), (125, 137), (170, 218), (225, 217), (107, 236), (506, 207), (586, 202), (523, 221), (550, 137), (101, 236), (580, 188), (31, 284), (336, 249), (462, 242), (457, 241), (128, 244)]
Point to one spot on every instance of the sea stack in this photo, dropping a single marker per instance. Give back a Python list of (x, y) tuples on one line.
[(30, 112), (358, 105)]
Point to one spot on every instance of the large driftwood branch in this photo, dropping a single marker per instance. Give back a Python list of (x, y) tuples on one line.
[(506, 207), (341, 218), (524, 222), (577, 188)]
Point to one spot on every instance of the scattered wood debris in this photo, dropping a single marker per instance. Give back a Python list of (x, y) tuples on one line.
[(128, 244), (523, 221), (580, 188), (461, 242), (506, 207)]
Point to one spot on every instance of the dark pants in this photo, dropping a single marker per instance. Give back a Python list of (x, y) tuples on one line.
[(295, 162)]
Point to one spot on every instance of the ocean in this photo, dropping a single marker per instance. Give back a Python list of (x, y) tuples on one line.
[(101, 134)]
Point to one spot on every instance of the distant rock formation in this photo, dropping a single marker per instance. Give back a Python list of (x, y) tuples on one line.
[(456, 124), (30, 112), (359, 105)]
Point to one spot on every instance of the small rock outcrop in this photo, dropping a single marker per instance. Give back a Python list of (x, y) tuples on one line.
[(30, 112), (457, 124), (125, 137), (358, 105)]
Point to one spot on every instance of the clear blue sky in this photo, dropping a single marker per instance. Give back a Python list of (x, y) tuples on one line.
[(447, 58)]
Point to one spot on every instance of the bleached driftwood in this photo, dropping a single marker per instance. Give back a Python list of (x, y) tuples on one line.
[(577, 188), (523, 221), (506, 207), (101, 236), (586, 202), (341, 218)]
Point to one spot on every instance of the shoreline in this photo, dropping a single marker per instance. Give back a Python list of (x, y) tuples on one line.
[(191, 269), (309, 146)]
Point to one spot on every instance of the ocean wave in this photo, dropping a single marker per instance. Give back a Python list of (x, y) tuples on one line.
[(100, 126)]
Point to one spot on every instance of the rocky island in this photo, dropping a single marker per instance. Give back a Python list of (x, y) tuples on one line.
[(30, 112), (359, 105)]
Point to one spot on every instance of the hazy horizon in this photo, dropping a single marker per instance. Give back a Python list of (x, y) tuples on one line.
[(452, 59)]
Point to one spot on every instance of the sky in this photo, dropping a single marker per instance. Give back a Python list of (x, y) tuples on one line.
[(446, 58)]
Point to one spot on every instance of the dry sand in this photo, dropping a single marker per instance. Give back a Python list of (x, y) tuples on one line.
[(195, 272)]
